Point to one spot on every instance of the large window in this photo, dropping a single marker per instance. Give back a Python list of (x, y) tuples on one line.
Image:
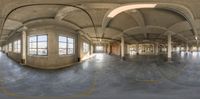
[(10, 47), (17, 46), (99, 48), (38, 45), (66, 45), (85, 47)]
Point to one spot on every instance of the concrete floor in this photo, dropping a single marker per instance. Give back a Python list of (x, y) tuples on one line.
[(105, 76)]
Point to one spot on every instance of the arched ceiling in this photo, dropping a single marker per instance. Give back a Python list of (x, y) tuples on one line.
[(135, 25)]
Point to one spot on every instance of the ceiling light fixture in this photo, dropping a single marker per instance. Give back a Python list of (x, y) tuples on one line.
[(118, 10)]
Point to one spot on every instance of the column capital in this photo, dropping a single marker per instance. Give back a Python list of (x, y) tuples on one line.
[(23, 29), (170, 32), (122, 35)]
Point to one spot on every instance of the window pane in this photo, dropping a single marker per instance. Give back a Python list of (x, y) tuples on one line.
[(19, 42), (62, 45), (85, 47), (15, 44), (32, 51), (62, 51), (37, 45), (19, 46), (70, 40), (32, 45), (62, 39), (99, 48), (42, 44), (32, 39), (70, 46), (42, 38), (42, 51), (10, 47), (70, 51)]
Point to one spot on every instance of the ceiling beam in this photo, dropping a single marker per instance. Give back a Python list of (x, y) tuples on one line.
[(180, 9), (63, 12), (139, 18)]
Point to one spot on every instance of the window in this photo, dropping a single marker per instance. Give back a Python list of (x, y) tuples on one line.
[(99, 48), (17, 46), (85, 47), (70, 46), (66, 45), (38, 45), (10, 47)]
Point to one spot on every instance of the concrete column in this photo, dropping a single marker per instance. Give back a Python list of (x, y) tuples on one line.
[(24, 48), (79, 47), (180, 48), (109, 48), (197, 46), (137, 49), (169, 51), (90, 48), (187, 48), (122, 47), (156, 48)]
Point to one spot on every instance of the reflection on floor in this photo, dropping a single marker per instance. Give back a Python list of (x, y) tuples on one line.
[(105, 76)]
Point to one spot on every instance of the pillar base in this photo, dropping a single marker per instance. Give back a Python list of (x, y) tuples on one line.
[(23, 61), (79, 59), (123, 58), (169, 60)]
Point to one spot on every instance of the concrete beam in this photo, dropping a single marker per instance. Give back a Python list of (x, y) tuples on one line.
[(63, 12), (11, 24), (139, 18), (179, 9)]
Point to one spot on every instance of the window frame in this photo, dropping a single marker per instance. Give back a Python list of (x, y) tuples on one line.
[(16, 46), (10, 49), (67, 45), (99, 48), (37, 41), (86, 47)]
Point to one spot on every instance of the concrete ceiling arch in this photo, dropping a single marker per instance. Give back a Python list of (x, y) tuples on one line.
[(63, 12), (180, 9)]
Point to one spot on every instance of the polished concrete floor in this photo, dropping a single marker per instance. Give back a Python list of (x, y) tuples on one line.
[(106, 76)]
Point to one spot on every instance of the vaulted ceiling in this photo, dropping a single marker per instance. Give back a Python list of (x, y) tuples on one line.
[(181, 17)]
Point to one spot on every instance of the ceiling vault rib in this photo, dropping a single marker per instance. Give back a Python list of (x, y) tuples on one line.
[(23, 6), (180, 9)]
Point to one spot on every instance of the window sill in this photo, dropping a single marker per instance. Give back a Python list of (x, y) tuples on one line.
[(66, 55), (38, 55)]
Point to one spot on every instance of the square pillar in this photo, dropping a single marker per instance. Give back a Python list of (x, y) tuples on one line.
[(156, 48), (137, 49), (169, 51), (197, 46), (187, 48), (122, 47), (79, 47), (24, 48), (109, 49)]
